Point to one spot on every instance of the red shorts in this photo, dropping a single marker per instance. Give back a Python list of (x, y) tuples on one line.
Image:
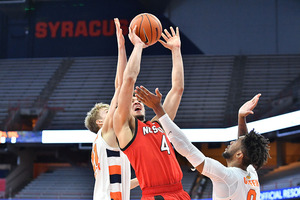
[(169, 192)]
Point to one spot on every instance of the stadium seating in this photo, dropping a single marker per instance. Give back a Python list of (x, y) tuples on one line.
[(215, 86), (88, 81), (91, 80), (22, 81), (269, 75), (61, 183)]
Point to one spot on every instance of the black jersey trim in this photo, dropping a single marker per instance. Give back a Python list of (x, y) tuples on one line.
[(111, 153), (158, 124), (134, 136)]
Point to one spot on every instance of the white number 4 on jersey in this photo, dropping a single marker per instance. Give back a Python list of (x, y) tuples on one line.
[(164, 145)]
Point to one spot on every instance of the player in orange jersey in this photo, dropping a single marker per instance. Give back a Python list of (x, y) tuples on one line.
[(111, 166), (238, 181), (144, 142)]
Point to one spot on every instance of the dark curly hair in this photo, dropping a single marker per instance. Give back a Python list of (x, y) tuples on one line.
[(255, 148)]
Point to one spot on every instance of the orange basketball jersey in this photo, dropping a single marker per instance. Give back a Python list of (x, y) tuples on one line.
[(152, 156)]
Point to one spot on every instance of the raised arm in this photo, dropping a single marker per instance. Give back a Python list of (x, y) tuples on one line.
[(245, 110), (122, 61), (122, 115), (173, 98)]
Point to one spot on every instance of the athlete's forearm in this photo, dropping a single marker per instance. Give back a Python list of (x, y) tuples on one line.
[(181, 142), (122, 61), (133, 66), (242, 126), (177, 70)]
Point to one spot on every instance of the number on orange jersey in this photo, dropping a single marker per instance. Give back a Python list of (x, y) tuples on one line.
[(251, 195)]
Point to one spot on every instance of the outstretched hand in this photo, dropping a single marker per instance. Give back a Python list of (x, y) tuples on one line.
[(247, 108), (119, 33), (172, 40), (148, 98)]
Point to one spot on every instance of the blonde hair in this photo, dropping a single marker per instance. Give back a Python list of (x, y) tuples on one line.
[(92, 116)]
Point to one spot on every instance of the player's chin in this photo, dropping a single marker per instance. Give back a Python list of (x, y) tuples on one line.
[(226, 155), (139, 113), (140, 117)]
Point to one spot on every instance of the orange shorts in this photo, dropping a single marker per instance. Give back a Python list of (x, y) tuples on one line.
[(170, 192)]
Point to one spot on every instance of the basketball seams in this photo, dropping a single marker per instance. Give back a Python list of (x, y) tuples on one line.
[(140, 26), (147, 15), (159, 25)]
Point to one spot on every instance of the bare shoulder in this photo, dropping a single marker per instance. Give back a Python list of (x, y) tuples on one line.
[(127, 132)]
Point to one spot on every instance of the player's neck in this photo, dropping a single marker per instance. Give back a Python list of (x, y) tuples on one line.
[(235, 163)]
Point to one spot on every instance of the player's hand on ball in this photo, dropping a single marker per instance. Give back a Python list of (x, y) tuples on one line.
[(134, 38)]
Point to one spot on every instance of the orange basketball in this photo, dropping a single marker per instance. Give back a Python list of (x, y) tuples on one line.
[(148, 28)]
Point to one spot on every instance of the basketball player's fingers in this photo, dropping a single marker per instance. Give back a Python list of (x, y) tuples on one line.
[(250, 112), (145, 90), (145, 46), (163, 43), (177, 31), (258, 95), (129, 30), (117, 22), (164, 36), (172, 31), (255, 99), (144, 98), (132, 33), (134, 29), (139, 97), (158, 93), (167, 33), (140, 92)]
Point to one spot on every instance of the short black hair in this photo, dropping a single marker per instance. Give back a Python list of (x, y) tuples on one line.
[(255, 148)]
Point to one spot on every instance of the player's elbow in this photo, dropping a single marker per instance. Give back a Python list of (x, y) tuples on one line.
[(129, 79), (178, 90)]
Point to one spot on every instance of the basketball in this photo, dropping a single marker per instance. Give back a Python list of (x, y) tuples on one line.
[(148, 28)]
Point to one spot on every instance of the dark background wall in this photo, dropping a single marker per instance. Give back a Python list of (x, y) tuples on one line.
[(66, 28), (72, 28), (239, 27)]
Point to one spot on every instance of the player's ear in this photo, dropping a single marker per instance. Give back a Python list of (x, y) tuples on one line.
[(239, 154), (99, 122)]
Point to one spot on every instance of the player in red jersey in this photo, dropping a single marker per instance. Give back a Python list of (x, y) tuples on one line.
[(237, 181), (145, 142)]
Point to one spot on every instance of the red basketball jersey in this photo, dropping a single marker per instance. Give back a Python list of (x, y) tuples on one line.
[(152, 156)]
